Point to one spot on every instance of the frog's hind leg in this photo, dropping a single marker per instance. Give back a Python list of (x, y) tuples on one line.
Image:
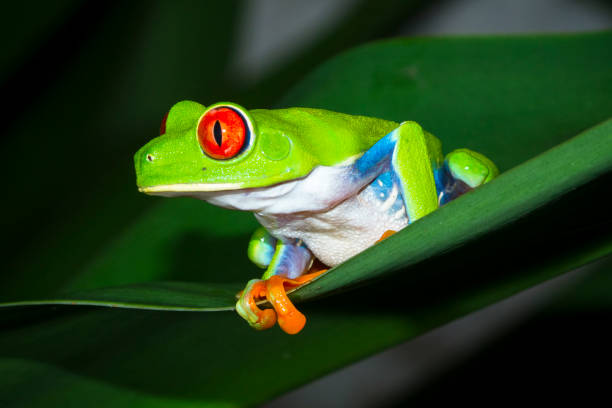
[(412, 155), (262, 246), (414, 159), (463, 171)]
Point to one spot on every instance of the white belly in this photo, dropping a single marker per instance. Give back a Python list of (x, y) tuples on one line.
[(313, 209), (350, 227)]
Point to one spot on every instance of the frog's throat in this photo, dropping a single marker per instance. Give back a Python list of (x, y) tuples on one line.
[(322, 189)]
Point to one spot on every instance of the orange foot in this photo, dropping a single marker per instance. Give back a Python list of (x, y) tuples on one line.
[(274, 290)]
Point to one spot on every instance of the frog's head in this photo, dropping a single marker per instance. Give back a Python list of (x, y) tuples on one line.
[(219, 148)]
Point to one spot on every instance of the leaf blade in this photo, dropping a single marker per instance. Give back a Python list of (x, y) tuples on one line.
[(515, 193)]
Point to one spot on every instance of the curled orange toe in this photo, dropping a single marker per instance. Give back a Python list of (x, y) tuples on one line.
[(260, 319), (289, 318), (274, 289)]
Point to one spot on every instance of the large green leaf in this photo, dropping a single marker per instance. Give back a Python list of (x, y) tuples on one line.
[(514, 194), (512, 98), (125, 356)]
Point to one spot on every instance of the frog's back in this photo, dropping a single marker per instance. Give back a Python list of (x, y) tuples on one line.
[(331, 137)]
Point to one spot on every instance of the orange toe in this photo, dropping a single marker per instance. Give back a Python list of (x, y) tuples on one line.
[(309, 276), (289, 318), (386, 235)]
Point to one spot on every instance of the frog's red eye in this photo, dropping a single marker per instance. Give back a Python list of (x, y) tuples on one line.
[(222, 133), (162, 127)]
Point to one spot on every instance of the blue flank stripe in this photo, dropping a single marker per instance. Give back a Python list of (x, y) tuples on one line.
[(440, 179), (375, 157)]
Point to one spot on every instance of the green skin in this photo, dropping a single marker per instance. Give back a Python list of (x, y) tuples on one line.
[(287, 145)]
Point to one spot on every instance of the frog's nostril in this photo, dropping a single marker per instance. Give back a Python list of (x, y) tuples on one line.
[(149, 157)]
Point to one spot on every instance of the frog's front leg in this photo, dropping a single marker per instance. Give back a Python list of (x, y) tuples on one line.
[(286, 266)]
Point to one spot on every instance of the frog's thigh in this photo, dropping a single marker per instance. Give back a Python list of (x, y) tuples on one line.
[(412, 164), (470, 167), (262, 246), (291, 259)]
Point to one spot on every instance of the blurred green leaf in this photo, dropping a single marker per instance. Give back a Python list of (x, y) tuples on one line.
[(95, 90), (510, 97), (72, 138)]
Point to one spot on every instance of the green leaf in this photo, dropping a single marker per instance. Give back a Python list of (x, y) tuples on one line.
[(170, 296), (514, 194), (510, 97)]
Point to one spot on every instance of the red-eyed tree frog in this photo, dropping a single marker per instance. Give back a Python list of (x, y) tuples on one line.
[(323, 185)]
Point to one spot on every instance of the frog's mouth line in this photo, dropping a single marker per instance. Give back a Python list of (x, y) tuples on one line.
[(186, 188)]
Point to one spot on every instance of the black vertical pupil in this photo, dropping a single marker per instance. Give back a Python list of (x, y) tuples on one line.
[(218, 133)]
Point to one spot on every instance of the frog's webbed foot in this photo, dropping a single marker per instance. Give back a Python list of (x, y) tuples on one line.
[(247, 305), (274, 289)]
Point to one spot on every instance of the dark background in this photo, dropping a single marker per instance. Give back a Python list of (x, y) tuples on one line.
[(102, 75)]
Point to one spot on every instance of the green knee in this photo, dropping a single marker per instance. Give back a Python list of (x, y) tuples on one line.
[(261, 249), (470, 167)]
